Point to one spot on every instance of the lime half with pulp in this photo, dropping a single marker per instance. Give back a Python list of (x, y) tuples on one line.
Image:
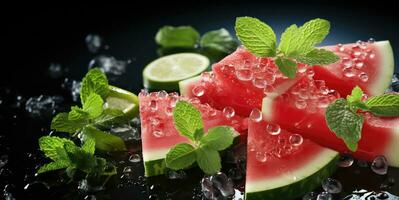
[(123, 100), (165, 73)]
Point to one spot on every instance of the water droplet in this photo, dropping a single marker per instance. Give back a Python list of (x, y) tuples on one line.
[(109, 65), (135, 158), (372, 55), (356, 50), (228, 69), (154, 121), (90, 197), (259, 83), (371, 40), (363, 77), (171, 174), (261, 156), (324, 196), (273, 129), (158, 133), (331, 186), (296, 140), (347, 62), (256, 115), (380, 165), (153, 105), (93, 42), (206, 76), (303, 93), (55, 70), (310, 196), (209, 190), (349, 72), (310, 72), (162, 94), (169, 111), (345, 160), (198, 90), (143, 92), (300, 104), (212, 112), (359, 64), (244, 74), (228, 112)]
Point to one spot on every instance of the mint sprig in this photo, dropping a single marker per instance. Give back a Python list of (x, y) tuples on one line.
[(203, 148), (345, 120), (297, 44)]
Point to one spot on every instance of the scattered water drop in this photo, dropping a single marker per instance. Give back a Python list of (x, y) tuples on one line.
[(331, 186), (347, 62), (228, 112), (93, 42), (371, 40), (86, 186), (158, 133), (349, 72), (244, 74), (169, 111), (135, 158), (198, 90), (380, 165), (359, 64), (55, 70), (171, 174), (261, 156), (363, 77), (256, 115), (42, 106), (259, 83), (372, 55), (356, 50), (273, 129), (109, 65), (345, 160), (296, 140), (162, 94), (126, 132), (310, 72)]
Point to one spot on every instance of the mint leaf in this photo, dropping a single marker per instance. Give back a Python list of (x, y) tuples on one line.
[(62, 123), (104, 141), (218, 138), (346, 124), (356, 95), (220, 40), (77, 113), (180, 156), (93, 105), (51, 147), (198, 134), (208, 160), (301, 41), (181, 36), (256, 36), (386, 105), (89, 146), (53, 166), (95, 81), (187, 119), (318, 57), (111, 117), (286, 66)]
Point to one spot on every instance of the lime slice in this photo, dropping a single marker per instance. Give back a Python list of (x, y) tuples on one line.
[(123, 100), (165, 73)]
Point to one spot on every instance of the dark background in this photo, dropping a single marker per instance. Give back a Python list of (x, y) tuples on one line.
[(34, 37)]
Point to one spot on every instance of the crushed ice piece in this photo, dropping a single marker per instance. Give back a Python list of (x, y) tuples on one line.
[(86, 186), (134, 158), (331, 186), (109, 65), (171, 174), (55, 70), (223, 183), (42, 106), (93, 42), (3, 160), (126, 132), (324, 196), (74, 87)]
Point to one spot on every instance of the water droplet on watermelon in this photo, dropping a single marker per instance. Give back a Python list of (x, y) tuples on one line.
[(359, 64), (162, 94), (212, 112), (206, 76), (372, 55), (303, 93), (347, 62), (268, 89), (154, 121), (296, 140), (256, 115), (324, 196), (228, 69), (223, 183), (300, 104), (323, 102), (273, 129), (244, 74), (310, 73), (331, 185), (198, 90), (261, 156), (228, 112), (194, 100), (345, 160), (371, 40), (363, 77), (158, 133), (143, 93), (135, 158), (153, 105), (349, 72), (259, 83), (169, 111), (380, 165)]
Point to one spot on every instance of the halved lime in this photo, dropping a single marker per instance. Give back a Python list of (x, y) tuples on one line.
[(165, 73), (123, 100)]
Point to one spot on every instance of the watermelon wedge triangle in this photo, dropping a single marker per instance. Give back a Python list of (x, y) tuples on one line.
[(157, 128), (241, 79)]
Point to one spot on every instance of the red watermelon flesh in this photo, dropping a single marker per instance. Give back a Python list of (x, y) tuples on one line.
[(157, 128), (301, 109), (369, 65)]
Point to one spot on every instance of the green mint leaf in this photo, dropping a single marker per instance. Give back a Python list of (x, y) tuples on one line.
[(111, 117), (300, 41), (286, 66), (93, 105), (346, 124), (77, 113), (104, 141), (386, 105), (208, 160), (180, 156), (220, 40), (318, 57), (180, 36), (198, 134), (89, 146), (95, 81), (256, 36), (53, 166), (218, 138), (187, 119), (62, 123), (356, 95), (52, 147)]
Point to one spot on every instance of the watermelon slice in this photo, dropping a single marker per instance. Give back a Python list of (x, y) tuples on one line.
[(241, 79), (369, 65), (301, 109), (157, 128), (284, 166)]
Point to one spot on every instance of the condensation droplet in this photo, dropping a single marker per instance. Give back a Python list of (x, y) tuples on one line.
[(228, 112), (244, 74), (296, 140), (300, 104), (153, 105), (169, 111), (261, 156), (198, 90), (380, 165), (345, 160), (363, 77), (372, 55), (162, 94), (158, 133), (256, 115), (273, 129), (259, 83), (359, 65), (349, 72), (135, 158)]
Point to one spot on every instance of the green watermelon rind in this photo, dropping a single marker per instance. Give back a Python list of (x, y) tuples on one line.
[(300, 187), (185, 85)]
